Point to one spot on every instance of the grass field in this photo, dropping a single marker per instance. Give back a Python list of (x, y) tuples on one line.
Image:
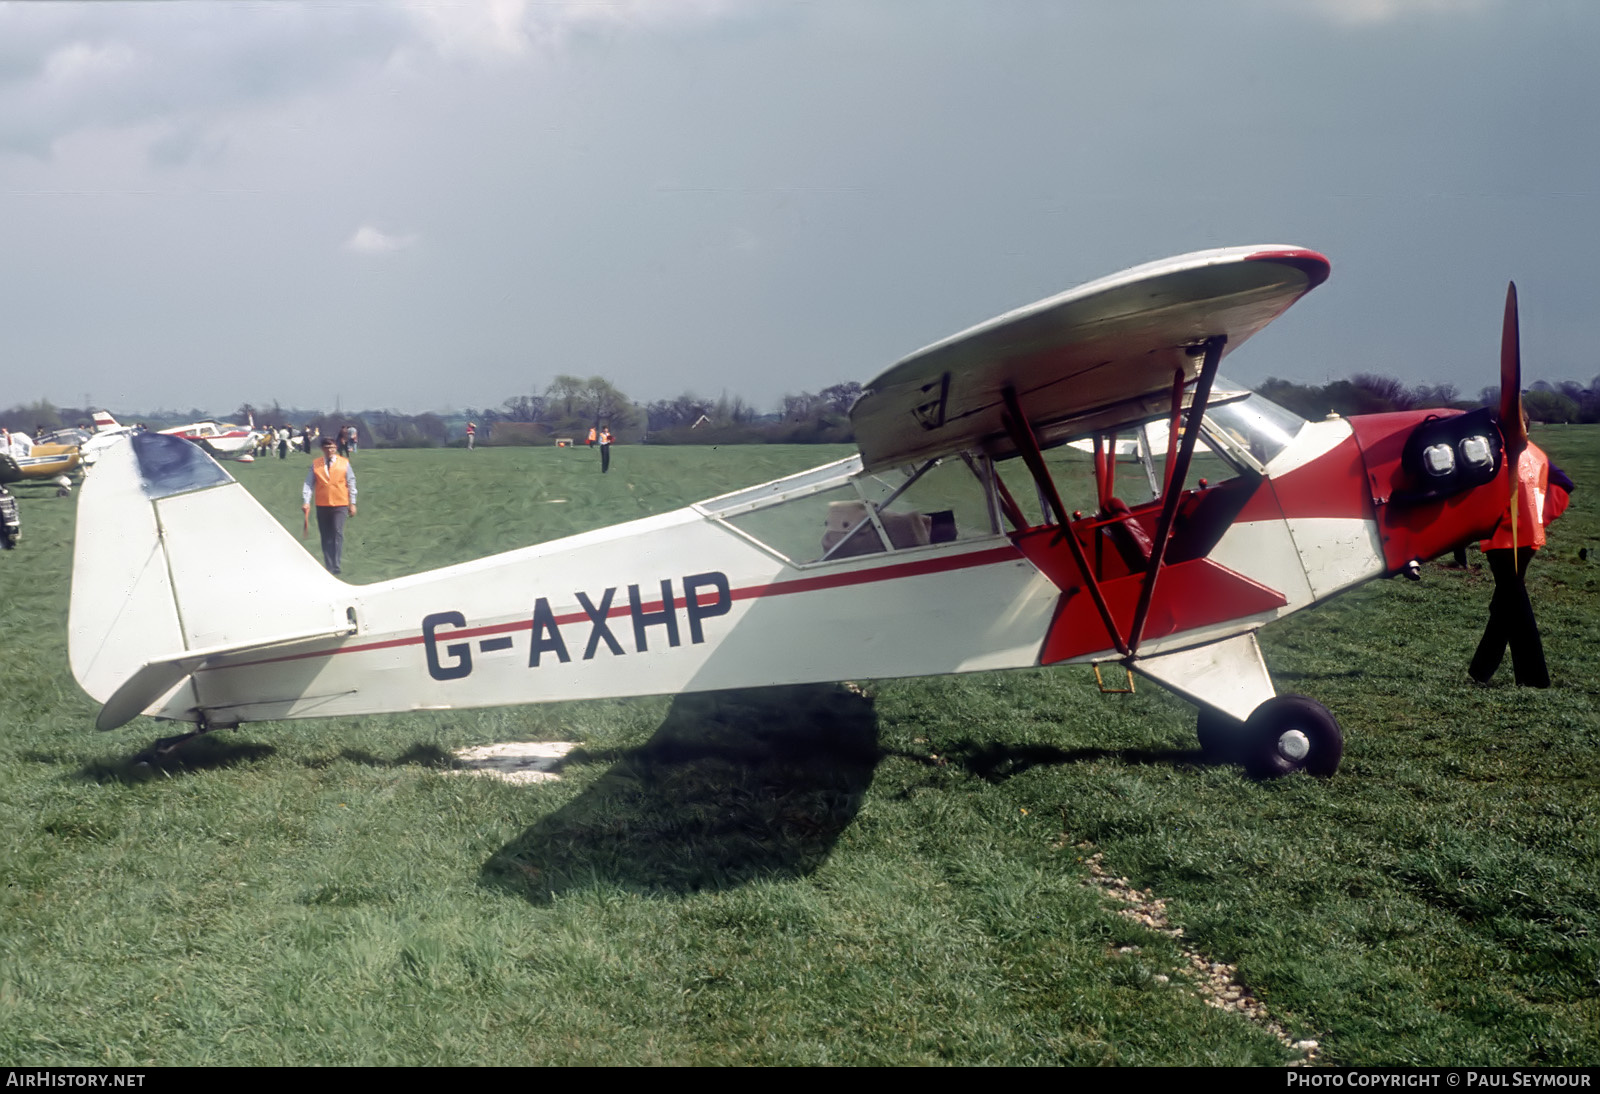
[(805, 875)]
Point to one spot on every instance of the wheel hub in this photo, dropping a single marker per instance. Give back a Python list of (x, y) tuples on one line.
[(1294, 745)]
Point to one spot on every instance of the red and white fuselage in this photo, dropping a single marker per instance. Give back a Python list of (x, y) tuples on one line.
[(914, 557), (223, 440), (717, 595)]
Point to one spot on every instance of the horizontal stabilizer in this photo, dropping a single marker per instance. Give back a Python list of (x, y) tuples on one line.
[(160, 676)]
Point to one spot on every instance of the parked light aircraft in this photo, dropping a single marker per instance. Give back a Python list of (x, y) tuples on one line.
[(106, 430), (221, 439), (21, 460), (946, 545)]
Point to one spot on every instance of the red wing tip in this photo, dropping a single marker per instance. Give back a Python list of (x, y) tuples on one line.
[(1314, 265)]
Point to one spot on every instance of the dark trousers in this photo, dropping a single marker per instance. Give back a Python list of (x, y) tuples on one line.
[(330, 522), (1511, 623), (605, 458)]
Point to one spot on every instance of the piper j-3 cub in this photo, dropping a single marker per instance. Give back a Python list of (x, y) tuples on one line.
[(947, 544)]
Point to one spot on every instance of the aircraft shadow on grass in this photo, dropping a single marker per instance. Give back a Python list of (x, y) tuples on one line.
[(996, 763), (212, 753), (733, 786), (201, 754), (418, 755)]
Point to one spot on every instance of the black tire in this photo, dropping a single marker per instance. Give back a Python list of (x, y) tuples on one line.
[(1292, 733), (1222, 736)]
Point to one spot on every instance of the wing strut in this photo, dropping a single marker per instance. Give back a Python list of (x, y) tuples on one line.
[(1177, 473), (1016, 424), (1176, 476)]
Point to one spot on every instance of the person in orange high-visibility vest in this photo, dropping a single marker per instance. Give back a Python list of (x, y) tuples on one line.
[(605, 450), (331, 483), (1511, 621), (591, 436)]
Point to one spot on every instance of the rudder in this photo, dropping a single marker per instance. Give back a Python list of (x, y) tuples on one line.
[(173, 555)]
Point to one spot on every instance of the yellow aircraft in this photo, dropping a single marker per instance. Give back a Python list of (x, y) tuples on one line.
[(22, 460)]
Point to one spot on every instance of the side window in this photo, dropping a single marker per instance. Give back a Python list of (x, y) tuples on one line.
[(895, 510), (798, 529), (941, 502)]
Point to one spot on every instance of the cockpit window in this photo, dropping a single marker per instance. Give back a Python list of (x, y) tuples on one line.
[(818, 517)]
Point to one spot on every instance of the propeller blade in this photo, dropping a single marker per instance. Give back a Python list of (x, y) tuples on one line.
[(1511, 422), (1516, 433)]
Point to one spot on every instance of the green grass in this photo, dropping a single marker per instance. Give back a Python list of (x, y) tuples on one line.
[(803, 875)]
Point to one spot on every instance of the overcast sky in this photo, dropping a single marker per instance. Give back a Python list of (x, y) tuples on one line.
[(439, 205)]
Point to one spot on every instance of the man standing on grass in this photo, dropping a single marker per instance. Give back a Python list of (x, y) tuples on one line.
[(1541, 496), (605, 450), (332, 483)]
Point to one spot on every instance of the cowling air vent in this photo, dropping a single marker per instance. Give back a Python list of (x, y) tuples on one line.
[(1444, 456)]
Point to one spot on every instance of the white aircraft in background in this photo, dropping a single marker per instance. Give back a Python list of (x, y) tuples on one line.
[(221, 439), (950, 543), (106, 431)]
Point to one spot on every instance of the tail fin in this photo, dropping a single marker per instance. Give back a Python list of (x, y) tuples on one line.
[(174, 563), (104, 420)]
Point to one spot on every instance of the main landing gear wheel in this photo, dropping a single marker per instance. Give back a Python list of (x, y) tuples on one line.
[(1292, 733)]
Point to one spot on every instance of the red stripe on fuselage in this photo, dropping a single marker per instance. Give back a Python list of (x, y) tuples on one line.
[(892, 572)]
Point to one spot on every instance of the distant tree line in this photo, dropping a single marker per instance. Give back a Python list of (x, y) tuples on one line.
[(570, 406), (806, 418), (1367, 393)]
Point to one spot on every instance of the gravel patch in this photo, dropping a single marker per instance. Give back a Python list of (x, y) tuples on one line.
[(1216, 982)]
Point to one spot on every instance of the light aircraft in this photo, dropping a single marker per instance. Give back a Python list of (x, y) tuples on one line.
[(106, 430), (23, 461), (88, 445), (221, 439), (945, 545)]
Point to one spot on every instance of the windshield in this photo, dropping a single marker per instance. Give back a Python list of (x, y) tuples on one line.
[(1259, 426)]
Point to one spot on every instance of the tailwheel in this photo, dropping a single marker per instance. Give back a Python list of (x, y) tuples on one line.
[(163, 748), (1292, 733)]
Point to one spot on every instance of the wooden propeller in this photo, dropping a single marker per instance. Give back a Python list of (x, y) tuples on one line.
[(1511, 420)]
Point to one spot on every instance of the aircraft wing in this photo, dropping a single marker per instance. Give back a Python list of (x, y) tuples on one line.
[(1092, 357)]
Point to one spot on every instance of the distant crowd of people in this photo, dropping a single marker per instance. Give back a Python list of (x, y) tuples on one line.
[(284, 437)]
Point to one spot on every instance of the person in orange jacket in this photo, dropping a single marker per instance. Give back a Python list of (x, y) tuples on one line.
[(605, 450), (331, 482), (1541, 496)]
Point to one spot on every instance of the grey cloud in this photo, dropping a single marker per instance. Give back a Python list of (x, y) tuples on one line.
[(174, 69)]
